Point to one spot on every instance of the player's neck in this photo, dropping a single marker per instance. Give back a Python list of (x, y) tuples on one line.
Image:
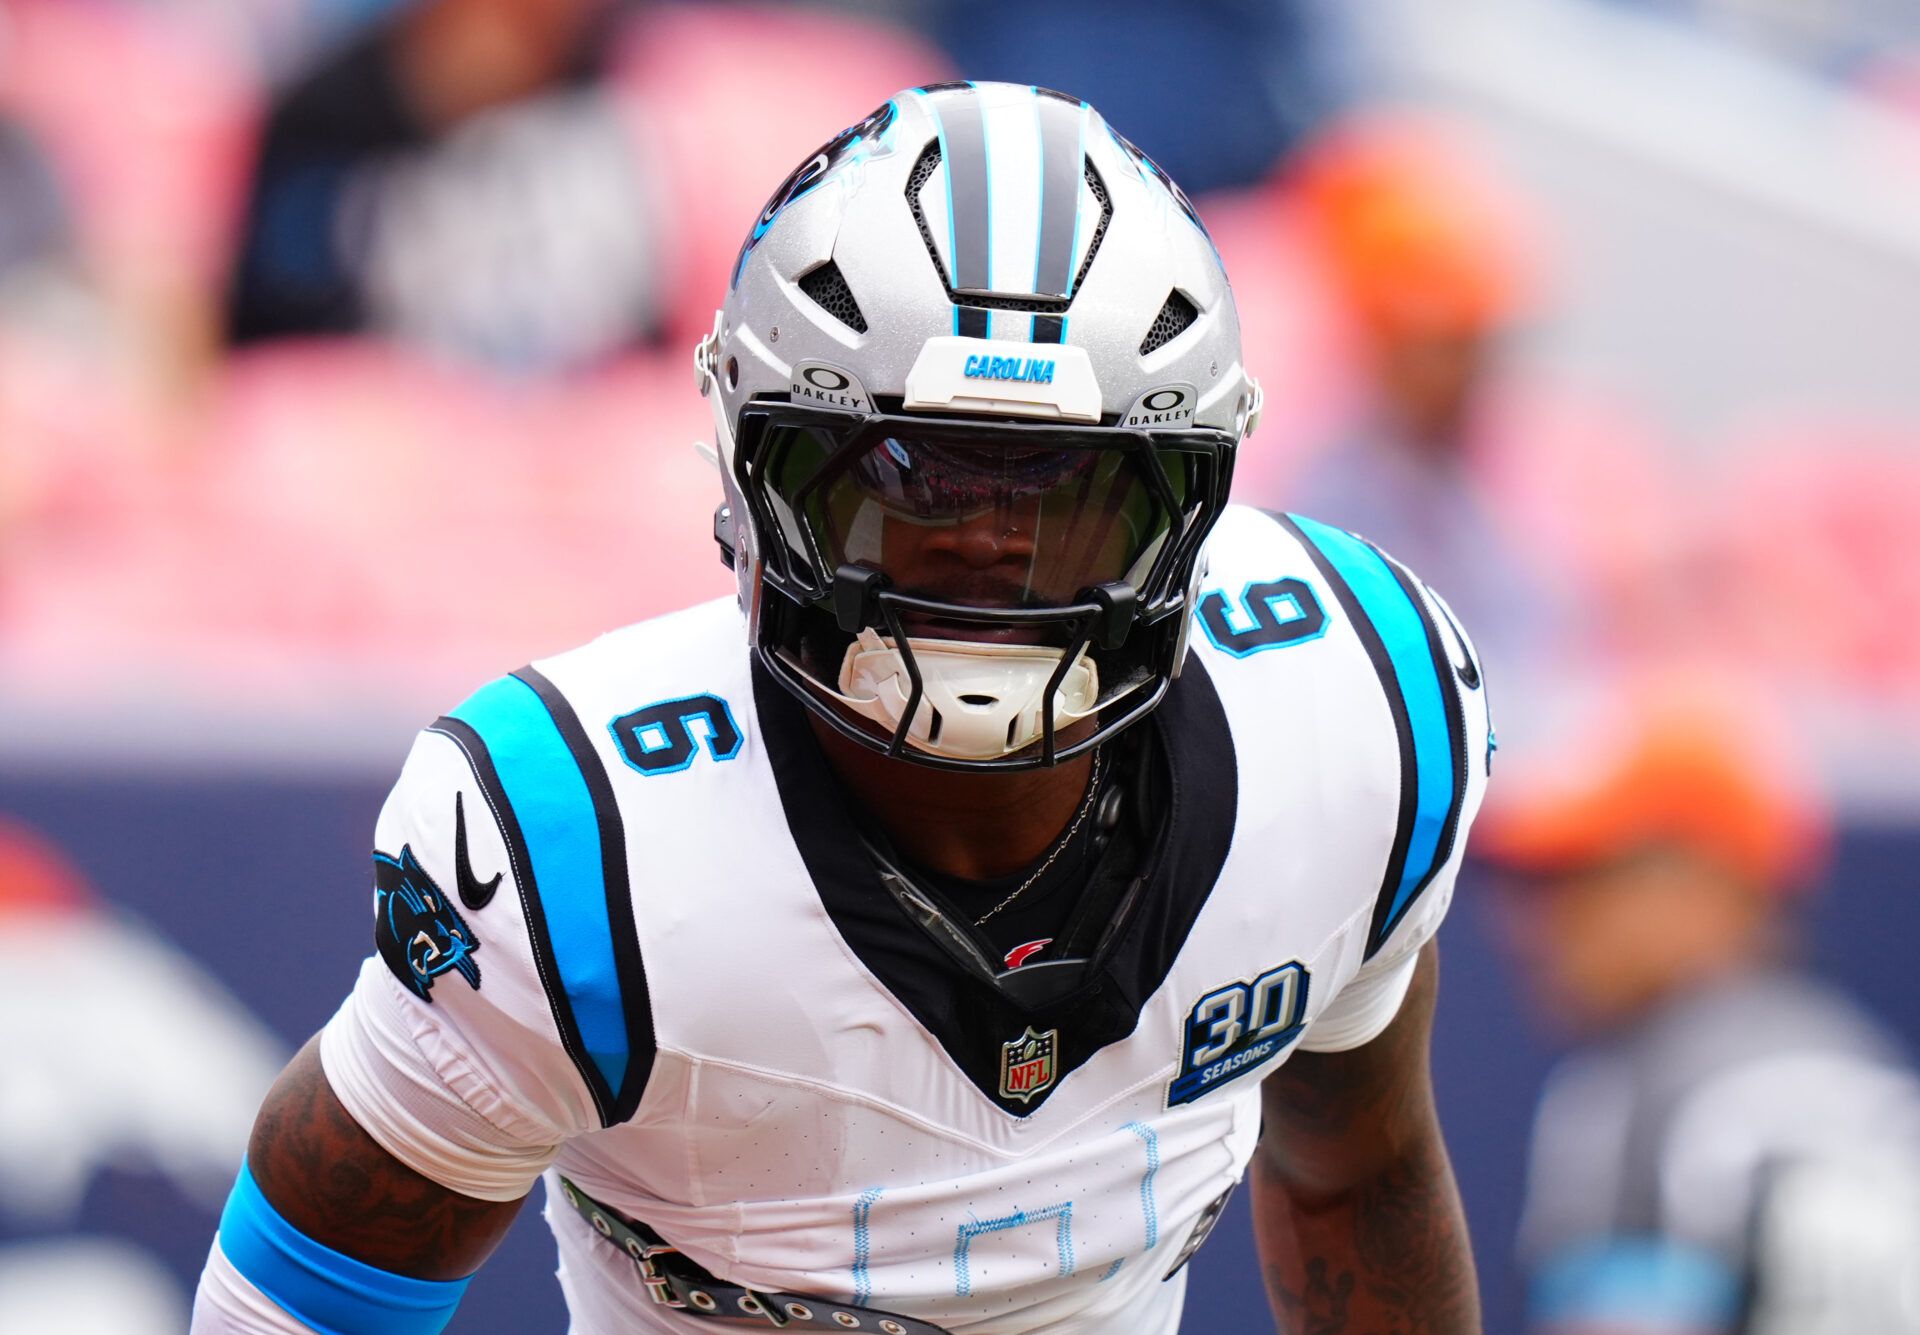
[(967, 825)]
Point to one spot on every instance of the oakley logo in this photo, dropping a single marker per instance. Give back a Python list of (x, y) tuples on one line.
[(814, 383), (1167, 406), (1026, 370)]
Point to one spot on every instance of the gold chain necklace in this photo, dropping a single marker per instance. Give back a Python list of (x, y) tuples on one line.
[(1059, 846)]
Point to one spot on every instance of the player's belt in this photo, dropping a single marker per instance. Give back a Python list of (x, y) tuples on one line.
[(675, 1280)]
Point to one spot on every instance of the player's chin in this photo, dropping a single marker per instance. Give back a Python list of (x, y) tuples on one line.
[(975, 632), (1071, 735)]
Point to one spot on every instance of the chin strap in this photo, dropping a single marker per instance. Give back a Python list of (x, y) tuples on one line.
[(979, 701)]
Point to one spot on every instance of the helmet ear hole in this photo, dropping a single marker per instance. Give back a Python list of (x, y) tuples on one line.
[(733, 373), (1171, 322), (827, 287)]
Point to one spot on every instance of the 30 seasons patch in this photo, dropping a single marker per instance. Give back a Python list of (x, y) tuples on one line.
[(1238, 1027)]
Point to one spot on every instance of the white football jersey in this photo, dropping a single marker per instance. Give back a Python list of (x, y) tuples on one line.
[(628, 933)]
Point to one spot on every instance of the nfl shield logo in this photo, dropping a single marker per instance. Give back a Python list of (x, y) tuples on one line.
[(1026, 1064)]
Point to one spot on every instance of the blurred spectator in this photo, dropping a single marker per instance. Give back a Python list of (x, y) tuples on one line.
[(34, 226), (458, 176), (1430, 261), (36, 247), (149, 179), (1216, 91), (41, 283), (1734, 1146)]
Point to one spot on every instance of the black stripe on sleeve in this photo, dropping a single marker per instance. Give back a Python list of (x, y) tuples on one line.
[(1456, 730), (628, 965), (1402, 727), (480, 760)]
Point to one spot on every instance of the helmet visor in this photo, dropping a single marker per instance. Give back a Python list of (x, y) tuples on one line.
[(987, 515)]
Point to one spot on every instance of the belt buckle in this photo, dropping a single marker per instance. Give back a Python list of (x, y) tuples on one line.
[(768, 1308), (659, 1287)]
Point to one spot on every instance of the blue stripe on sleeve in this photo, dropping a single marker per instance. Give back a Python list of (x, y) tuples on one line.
[(1401, 630), (555, 810), (1642, 1283), (330, 1292)]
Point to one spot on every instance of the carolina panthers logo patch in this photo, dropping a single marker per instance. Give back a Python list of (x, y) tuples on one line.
[(420, 933)]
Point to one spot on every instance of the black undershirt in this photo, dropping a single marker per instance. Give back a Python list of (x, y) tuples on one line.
[(1129, 921), (1041, 911), (1045, 910)]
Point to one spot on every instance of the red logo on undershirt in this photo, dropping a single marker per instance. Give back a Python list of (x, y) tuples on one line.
[(1021, 954)]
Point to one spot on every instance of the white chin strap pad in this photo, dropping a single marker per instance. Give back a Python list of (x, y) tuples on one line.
[(980, 701)]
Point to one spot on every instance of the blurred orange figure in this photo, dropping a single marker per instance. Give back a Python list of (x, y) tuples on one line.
[(1733, 1146), (1433, 262), (1431, 256)]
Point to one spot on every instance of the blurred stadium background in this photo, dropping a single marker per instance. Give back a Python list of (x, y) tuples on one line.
[(344, 364)]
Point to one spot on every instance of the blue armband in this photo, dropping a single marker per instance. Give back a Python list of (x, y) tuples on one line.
[(332, 1293)]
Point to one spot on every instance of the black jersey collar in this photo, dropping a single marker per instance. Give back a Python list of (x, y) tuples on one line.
[(972, 1019)]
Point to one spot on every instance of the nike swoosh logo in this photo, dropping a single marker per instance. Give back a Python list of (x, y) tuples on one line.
[(474, 893), (1467, 670)]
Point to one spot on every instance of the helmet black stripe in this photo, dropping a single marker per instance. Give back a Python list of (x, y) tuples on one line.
[(1061, 170), (967, 198)]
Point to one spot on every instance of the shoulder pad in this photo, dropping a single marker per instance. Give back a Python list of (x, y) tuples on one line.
[(1428, 672), (534, 794)]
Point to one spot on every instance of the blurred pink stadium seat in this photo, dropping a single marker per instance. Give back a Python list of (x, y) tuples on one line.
[(1586, 482), (157, 167), (759, 80), (360, 514), (1294, 339), (1817, 554), (1892, 80)]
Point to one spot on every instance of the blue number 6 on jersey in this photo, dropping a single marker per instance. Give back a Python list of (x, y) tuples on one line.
[(659, 738), (1260, 602)]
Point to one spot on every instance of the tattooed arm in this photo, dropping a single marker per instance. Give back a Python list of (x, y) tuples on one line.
[(325, 1181), (334, 1183), (1356, 1214)]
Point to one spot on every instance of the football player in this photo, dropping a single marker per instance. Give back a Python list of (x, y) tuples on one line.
[(1057, 843)]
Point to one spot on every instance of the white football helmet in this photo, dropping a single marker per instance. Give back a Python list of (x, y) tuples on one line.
[(977, 389)]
